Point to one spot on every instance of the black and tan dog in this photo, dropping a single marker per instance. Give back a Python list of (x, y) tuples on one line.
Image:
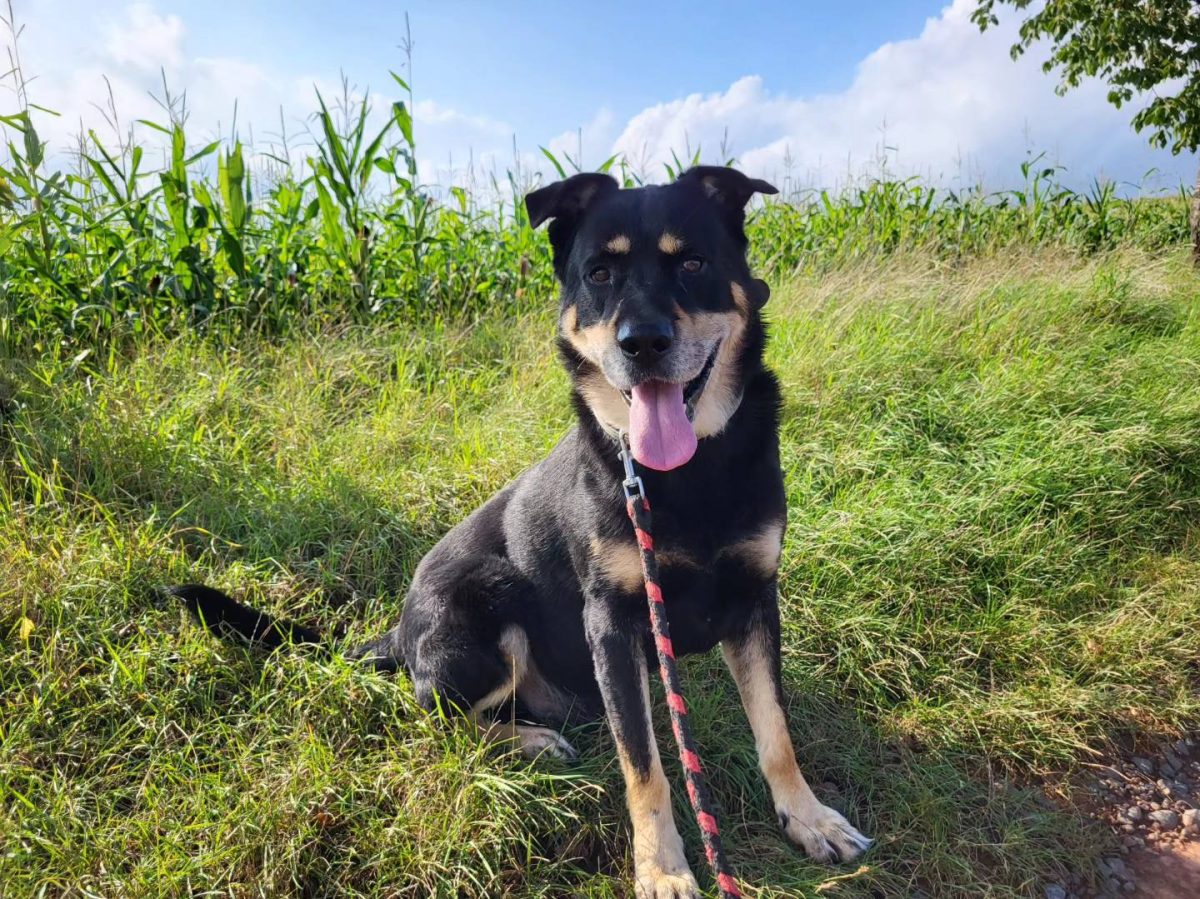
[(531, 613)]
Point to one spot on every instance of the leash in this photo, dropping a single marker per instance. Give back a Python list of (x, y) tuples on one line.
[(638, 507)]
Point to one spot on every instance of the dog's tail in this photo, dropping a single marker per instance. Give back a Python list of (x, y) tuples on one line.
[(225, 616)]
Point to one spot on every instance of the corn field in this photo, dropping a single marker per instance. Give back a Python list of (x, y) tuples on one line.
[(220, 239)]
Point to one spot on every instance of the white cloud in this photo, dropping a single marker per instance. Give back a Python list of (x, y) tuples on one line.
[(433, 113), (144, 39), (593, 136), (949, 105)]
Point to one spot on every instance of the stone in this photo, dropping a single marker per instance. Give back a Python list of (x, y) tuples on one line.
[(1144, 765), (1133, 813), (1191, 821), (1054, 891), (1166, 818), (1179, 789)]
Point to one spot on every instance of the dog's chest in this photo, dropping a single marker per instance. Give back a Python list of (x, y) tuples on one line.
[(710, 586), (718, 544)]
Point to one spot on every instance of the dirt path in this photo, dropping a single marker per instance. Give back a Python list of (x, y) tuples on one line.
[(1172, 874), (1150, 803)]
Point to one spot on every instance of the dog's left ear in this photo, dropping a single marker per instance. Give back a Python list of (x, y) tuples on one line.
[(729, 187)]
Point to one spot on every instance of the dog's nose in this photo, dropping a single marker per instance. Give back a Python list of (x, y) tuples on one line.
[(645, 339)]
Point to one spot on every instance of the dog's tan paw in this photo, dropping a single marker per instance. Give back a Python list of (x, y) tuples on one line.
[(651, 882), (823, 833), (534, 741)]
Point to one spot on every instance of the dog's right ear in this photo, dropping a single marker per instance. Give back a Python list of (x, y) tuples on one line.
[(567, 199), (565, 202)]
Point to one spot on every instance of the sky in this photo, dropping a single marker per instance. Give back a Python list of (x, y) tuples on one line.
[(808, 94)]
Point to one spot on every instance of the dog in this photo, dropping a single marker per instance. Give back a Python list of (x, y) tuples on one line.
[(530, 614)]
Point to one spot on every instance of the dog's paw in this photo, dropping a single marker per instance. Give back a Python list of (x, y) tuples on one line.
[(660, 869), (535, 741), (650, 882), (823, 833)]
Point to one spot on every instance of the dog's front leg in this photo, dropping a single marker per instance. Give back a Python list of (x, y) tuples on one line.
[(660, 868), (753, 658)]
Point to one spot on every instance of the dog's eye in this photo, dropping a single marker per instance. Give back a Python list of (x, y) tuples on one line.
[(599, 275), (693, 264)]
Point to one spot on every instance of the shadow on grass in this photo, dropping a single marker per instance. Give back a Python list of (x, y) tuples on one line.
[(330, 535), (947, 823)]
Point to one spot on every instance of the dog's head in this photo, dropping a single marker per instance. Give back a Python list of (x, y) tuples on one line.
[(659, 322)]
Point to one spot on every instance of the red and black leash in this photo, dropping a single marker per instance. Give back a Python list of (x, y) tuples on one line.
[(702, 804)]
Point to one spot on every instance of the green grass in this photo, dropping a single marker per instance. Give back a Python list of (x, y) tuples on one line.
[(991, 574)]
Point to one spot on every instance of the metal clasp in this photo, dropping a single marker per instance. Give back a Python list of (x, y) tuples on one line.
[(632, 485)]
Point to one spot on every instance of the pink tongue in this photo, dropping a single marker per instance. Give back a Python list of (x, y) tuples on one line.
[(659, 431)]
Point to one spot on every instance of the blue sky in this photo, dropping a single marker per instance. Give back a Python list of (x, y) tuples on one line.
[(810, 93), (546, 66)]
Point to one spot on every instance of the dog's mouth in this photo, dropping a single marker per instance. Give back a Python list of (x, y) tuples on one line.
[(692, 389), (660, 418)]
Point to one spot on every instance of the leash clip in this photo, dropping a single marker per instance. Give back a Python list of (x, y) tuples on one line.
[(632, 485)]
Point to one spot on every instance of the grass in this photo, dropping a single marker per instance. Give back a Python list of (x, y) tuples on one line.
[(990, 577)]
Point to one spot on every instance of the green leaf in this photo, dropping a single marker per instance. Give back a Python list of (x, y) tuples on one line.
[(231, 176), (207, 151), (403, 119), (154, 125), (562, 173), (100, 173), (33, 146), (333, 146), (234, 254)]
